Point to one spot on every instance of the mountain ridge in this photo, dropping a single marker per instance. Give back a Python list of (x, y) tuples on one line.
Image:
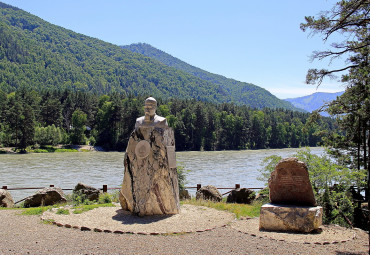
[(314, 101), (39, 55), (243, 91)]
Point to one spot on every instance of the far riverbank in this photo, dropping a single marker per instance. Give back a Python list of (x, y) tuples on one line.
[(52, 149)]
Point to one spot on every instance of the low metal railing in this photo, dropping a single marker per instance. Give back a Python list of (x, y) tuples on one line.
[(105, 188)]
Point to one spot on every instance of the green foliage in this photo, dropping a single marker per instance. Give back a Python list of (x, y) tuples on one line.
[(109, 120), (44, 56), (40, 151), (62, 211), (50, 135), (105, 198), (48, 149), (350, 145), (242, 93), (330, 181), (85, 208), (35, 210), (181, 175), (79, 119), (338, 206), (269, 164), (77, 198), (66, 150)]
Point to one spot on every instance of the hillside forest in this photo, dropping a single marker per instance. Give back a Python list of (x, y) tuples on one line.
[(39, 55), (50, 117)]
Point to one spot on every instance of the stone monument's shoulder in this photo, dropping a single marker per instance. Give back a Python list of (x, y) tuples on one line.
[(139, 121), (159, 118), (160, 121)]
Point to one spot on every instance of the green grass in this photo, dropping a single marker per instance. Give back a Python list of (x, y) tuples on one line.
[(50, 148), (66, 150), (240, 210), (35, 210), (84, 208), (40, 151), (62, 211), (49, 221), (8, 208)]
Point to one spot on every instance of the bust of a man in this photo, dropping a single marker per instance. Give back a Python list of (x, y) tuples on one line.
[(150, 118)]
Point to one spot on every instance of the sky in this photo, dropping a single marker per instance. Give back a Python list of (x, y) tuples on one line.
[(258, 42)]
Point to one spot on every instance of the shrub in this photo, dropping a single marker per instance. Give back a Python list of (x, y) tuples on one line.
[(181, 174), (105, 198)]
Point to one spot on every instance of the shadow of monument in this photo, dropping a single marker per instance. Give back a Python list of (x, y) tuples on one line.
[(127, 218), (293, 233)]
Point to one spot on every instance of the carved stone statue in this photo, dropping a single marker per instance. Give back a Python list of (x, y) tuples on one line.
[(150, 184), (150, 118)]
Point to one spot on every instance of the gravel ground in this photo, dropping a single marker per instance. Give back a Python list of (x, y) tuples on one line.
[(190, 219), (21, 234)]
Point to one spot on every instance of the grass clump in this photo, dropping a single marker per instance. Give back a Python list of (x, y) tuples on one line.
[(105, 198), (85, 208), (62, 211), (48, 221), (240, 210), (66, 150), (35, 210), (40, 151)]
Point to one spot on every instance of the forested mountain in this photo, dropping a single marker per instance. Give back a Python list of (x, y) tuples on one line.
[(314, 102), (58, 86), (39, 55), (241, 92)]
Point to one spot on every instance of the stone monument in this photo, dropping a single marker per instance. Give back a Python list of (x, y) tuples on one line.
[(150, 184), (293, 205)]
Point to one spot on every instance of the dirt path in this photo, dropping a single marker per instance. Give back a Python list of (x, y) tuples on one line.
[(28, 235)]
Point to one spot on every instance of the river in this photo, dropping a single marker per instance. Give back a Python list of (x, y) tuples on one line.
[(65, 170)]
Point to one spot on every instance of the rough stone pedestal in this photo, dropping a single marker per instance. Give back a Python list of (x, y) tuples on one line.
[(150, 184), (290, 218)]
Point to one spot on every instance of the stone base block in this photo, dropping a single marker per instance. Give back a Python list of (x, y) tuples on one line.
[(290, 218)]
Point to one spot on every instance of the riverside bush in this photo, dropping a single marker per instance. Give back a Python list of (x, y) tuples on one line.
[(105, 198)]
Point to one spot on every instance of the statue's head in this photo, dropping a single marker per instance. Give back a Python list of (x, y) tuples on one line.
[(150, 106)]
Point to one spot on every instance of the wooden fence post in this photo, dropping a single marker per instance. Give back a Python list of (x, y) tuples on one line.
[(105, 188), (199, 186)]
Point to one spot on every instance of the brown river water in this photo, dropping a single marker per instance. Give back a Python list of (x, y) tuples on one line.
[(65, 170)]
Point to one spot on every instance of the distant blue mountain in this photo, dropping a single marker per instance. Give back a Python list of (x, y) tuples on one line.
[(315, 101)]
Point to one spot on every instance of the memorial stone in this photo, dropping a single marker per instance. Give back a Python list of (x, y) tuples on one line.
[(290, 184), (293, 205), (150, 184)]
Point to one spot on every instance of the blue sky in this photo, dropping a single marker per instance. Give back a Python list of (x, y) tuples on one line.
[(251, 41)]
